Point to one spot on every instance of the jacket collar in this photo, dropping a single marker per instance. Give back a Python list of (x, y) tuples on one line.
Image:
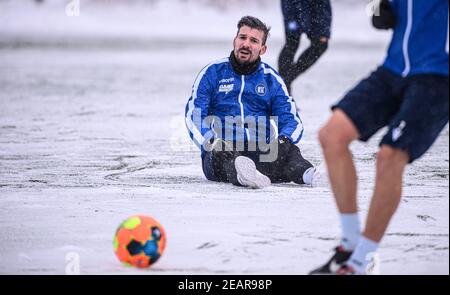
[(244, 69)]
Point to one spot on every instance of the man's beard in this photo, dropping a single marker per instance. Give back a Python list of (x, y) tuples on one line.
[(244, 67), (244, 62)]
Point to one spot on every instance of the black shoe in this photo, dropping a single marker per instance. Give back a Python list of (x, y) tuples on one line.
[(338, 260), (346, 270)]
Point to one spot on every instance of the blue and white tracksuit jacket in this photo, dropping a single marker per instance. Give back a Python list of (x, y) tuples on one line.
[(220, 92), (419, 46)]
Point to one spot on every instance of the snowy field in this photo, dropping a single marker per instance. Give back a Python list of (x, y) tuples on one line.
[(92, 132)]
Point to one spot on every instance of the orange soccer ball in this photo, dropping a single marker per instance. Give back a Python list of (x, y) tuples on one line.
[(139, 241)]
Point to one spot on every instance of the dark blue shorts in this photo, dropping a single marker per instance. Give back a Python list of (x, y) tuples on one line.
[(415, 109), (312, 17)]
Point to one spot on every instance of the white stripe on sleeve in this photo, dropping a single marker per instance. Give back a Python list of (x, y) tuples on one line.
[(196, 133), (298, 131)]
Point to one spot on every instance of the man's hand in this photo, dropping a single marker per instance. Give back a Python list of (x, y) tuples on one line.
[(284, 146), (223, 150), (219, 145), (386, 19)]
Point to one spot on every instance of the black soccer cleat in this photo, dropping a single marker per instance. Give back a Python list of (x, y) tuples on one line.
[(336, 262), (345, 270)]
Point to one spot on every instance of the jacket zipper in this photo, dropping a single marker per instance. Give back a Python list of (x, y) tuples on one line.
[(242, 107)]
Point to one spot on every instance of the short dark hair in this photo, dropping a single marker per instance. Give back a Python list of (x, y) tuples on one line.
[(255, 23)]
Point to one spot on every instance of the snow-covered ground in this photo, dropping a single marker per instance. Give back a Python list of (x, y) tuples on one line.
[(91, 132)]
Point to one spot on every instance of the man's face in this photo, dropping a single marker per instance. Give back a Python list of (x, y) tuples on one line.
[(248, 45)]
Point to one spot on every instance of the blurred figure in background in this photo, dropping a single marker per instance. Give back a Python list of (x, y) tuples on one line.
[(310, 17)]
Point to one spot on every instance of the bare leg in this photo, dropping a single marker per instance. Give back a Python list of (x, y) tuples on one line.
[(391, 164), (335, 138)]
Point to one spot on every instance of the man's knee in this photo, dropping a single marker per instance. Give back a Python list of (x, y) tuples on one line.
[(329, 137), (320, 45), (389, 157), (208, 167), (338, 133)]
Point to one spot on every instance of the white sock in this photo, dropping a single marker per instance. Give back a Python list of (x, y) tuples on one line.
[(350, 231), (363, 255), (308, 175)]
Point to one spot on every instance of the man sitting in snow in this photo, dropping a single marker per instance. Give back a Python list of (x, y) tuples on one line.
[(234, 102)]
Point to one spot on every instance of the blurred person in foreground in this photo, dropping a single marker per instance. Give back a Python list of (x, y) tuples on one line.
[(241, 116), (409, 94)]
